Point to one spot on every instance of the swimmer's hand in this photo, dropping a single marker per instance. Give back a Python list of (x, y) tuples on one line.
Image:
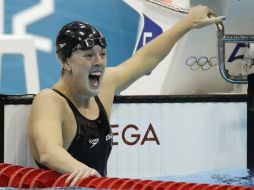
[(81, 173), (212, 20), (198, 17)]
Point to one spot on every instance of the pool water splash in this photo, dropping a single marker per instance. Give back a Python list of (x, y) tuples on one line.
[(227, 179), (239, 177)]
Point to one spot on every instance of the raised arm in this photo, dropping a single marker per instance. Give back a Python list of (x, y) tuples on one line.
[(45, 133), (149, 56)]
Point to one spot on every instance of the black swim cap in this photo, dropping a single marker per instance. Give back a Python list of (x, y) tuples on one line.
[(77, 35)]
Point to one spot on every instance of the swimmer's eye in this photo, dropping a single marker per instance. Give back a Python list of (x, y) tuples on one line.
[(90, 55)]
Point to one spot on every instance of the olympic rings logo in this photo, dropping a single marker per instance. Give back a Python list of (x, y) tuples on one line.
[(203, 62)]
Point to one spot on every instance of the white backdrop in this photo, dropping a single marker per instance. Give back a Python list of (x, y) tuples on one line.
[(156, 139)]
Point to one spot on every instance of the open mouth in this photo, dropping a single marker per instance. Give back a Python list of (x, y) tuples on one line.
[(94, 78)]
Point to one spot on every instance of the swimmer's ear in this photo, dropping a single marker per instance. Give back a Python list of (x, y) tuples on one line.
[(66, 66)]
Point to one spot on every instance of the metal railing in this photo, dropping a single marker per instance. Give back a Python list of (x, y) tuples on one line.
[(230, 38), (169, 6)]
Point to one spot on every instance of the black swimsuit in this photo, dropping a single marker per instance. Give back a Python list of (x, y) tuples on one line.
[(92, 143)]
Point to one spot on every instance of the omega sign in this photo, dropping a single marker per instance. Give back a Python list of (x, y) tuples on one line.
[(131, 135)]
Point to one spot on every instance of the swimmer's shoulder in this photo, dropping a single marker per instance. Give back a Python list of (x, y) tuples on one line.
[(48, 96), (47, 93), (47, 106)]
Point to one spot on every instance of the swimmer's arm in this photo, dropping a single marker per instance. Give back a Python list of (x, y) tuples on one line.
[(148, 57), (45, 129)]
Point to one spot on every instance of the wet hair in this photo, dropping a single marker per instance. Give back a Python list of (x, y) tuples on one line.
[(77, 35)]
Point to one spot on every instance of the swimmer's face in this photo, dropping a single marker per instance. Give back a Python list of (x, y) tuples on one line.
[(87, 67)]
